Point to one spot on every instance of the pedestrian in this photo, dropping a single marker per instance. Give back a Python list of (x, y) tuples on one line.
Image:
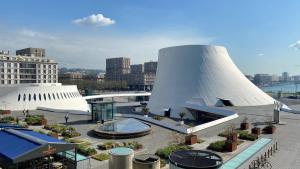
[(27, 112), (67, 118), (24, 113)]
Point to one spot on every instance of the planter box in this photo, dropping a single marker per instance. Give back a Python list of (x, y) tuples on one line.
[(233, 137), (231, 146), (181, 123), (191, 139), (256, 131), (245, 126), (270, 130), (44, 122)]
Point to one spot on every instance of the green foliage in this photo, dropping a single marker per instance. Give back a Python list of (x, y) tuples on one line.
[(181, 115), (166, 151), (34, 119), (58, 128), (227, 132), (145, 111), (7, 119), (70, 133), (53, 134), (101, 157), (217, 146), (95, 85), (199, 141), (40, 131), (85, 150), (110, 144), (247, 136), (158, 117)]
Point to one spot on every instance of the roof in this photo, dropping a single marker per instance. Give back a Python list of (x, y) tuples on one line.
[(117, 95), (19, 145)]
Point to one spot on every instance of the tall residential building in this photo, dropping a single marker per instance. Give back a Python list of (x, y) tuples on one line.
[(117, 69), (285, 76), (35, 52), (150, 67), (261, 79), (27, 69)]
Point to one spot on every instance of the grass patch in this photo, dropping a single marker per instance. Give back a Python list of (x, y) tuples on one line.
[(199, 141), (158, 117), (101, 157), (166, 151)]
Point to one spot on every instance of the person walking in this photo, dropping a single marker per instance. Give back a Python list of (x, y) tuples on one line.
[(67, 118)]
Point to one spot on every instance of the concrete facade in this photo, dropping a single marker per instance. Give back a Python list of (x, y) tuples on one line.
[(204, 75)]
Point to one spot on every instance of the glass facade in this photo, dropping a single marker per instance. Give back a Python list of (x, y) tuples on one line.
[(103, 111)]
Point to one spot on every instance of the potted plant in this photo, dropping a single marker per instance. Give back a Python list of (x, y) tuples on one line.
[(146, 111), (181, 115), (256, 130), (245, 124), (270, 128)]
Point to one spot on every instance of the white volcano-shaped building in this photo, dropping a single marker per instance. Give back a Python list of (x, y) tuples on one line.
[(199, 76)]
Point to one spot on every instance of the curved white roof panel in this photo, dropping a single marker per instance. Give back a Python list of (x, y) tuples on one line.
[(201, 71)]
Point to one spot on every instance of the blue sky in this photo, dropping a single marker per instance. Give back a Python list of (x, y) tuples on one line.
[(261, 35)]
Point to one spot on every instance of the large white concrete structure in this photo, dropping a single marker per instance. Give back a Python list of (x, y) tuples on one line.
[(199, 78), (47, 96)]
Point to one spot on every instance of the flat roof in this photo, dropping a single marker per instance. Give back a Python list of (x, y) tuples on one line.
[(19, 145)]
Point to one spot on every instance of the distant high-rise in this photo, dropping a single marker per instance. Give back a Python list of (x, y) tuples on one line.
[(117, 69), (150, 67), (36, 52), (285, 76), (261, 79)]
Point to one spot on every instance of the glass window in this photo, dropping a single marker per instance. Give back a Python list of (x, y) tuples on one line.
[(62, 97), (34, 97), (45, 98), (49, 96), (57, 95), (40, 96), (65, 95), (24, 97), (19, 97), (29, 97), (53, 95)]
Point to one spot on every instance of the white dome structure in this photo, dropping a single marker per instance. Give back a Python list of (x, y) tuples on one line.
[(46, 96), (200, 76)]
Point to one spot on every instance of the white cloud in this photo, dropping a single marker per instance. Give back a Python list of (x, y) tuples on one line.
[(94, 20), (295, 45), (90, 51), (261, 54)]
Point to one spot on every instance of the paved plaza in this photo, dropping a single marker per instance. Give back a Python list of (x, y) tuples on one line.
[(287, 134)]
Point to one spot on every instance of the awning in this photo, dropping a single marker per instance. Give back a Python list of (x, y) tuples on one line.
[(18, 145)]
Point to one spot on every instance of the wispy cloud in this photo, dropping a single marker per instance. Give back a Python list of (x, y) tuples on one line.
[(295, 45), (90, 51), (94, 20), (34, 34), (261, 54)]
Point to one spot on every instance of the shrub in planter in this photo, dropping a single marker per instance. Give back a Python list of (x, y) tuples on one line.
[(248, 136), (101, 157), (57, 128), (35, 119), (217, 146), (133, 145), (70, 134), (7, 119), (269, 129), (166, 151), (85, 150), (256, 130), (3, 112), (245, 124), (158, 117), (107, 145)]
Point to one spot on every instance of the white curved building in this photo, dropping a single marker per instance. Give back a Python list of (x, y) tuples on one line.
[(47, 96), (199, 77)]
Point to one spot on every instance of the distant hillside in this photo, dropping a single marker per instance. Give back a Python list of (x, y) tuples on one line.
[(85, 71)]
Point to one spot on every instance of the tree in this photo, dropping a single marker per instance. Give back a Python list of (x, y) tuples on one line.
[(146, 111), (181, 114)]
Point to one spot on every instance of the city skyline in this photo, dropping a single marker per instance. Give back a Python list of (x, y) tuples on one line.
[(262, 37)]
